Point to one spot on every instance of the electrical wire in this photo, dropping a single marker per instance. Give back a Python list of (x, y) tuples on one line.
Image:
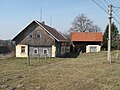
[(100, 6), (103, 4), (106, 2), (110, 1), (114, 12), (116, 20)]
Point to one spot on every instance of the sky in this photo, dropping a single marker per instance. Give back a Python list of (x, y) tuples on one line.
[(15, 15)]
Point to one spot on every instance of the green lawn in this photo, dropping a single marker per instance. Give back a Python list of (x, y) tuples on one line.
[(86, 72)]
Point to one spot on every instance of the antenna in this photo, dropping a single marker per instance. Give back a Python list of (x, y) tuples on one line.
[(50, 20), (41, 15)]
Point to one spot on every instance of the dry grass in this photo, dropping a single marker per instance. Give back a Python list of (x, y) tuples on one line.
[(87, 72)]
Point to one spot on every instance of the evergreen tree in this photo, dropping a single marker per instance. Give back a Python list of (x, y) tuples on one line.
[(114, 33)]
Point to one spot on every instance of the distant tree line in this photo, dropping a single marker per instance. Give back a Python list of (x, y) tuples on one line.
[(6, 46)]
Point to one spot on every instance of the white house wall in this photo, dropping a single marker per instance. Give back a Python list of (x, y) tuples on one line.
[(35, 51), (88, 47), (18, 51), (53, 51)]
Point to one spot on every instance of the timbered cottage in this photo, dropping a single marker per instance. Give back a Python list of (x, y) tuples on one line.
[(39, 39)]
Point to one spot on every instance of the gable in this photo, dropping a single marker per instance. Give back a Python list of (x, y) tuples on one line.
[(38, 37), (87, 36), (50, 34), (33, 34), (23, 34)]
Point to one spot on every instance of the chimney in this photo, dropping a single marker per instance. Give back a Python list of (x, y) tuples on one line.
[(43, 22)]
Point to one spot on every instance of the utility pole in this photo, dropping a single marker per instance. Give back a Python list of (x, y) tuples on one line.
[(109, 33)]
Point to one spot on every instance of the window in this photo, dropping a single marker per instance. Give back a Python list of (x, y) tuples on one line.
[(45, 51), (93, 49), (35, 50), (39, 35), (22, 49), (30, 36)]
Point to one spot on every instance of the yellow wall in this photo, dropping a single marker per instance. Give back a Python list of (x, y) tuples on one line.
[(53, 51), (18, 51)]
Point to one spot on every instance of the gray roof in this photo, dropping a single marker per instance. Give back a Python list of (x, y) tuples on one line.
[(53, 32)]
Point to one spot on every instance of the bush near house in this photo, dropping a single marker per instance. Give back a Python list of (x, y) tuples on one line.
[(7, 48)]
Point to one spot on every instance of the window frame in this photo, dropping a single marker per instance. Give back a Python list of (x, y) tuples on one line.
[(35, 49), (46, 51), (39, 35), (22, 49), (93, 48)]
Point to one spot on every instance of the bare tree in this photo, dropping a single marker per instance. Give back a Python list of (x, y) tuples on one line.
[(82, 24)]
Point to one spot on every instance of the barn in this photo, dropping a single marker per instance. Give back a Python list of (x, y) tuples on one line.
[(87, 41)]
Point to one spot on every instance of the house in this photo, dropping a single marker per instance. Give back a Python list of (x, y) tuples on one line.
[(39, 39), (87, 41)]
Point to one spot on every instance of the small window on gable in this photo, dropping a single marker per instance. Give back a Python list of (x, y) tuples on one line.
[(30, 36), (39, 35), (22, 49), (35, 50)]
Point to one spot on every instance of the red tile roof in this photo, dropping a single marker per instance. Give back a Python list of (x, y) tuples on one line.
[(87, 36)]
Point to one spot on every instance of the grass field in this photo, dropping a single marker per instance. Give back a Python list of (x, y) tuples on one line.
[(86, 72)]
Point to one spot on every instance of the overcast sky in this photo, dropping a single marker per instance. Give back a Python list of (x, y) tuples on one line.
[(15, 15)]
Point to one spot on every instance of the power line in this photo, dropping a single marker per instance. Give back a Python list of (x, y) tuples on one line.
[(106, 11), (119, 12), (103, 4), (118, 8), (116, 20), (106, 2), (116, 14), (100, 6), (110, 1)]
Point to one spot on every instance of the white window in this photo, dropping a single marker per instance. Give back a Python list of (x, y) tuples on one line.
[(35, 51)]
